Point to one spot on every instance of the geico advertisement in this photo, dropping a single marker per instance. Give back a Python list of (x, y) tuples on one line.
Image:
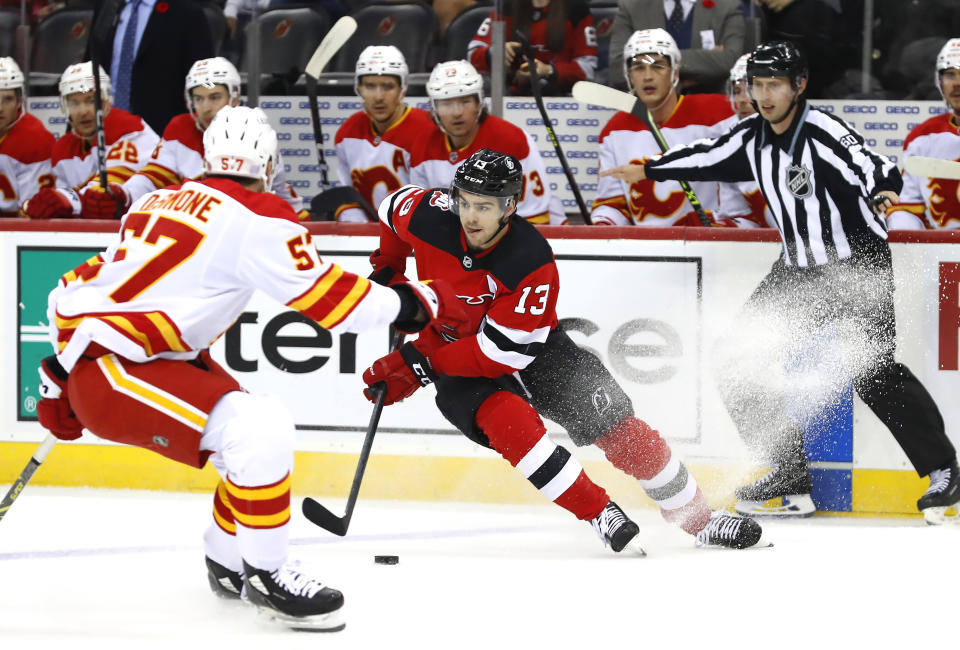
[(648, 335)]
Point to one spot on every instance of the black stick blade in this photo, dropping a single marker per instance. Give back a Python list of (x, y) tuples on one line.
[(317, 514)]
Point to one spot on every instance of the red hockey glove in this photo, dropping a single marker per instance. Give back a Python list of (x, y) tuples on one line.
[(400, 373), (48, 203), (422, 304), (95, 203), (54, 410), (383, 272)]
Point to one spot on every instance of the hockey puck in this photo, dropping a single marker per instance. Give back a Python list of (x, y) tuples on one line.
[(386, 559)]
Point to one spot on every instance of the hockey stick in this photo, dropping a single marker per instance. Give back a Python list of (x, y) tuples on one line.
[(932, 167), (600, 95), (313, 510), (35, 461), (106, 21), (336, 38), (538, 97)]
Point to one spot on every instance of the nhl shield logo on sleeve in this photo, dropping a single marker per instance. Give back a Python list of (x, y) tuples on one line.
[(798, 181)]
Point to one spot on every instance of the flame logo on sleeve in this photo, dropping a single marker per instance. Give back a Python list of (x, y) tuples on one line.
[(644, 201), (944, 201)]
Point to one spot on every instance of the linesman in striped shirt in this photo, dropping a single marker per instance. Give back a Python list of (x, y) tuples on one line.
[(829, 298)]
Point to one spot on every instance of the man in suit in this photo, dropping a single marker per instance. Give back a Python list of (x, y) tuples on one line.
[(709, 33), (167, 36)]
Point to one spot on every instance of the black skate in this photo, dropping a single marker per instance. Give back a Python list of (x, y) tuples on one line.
[(940, 504), (783, 492), (729, 531), (294, 599), (615, 529), (223, 582)]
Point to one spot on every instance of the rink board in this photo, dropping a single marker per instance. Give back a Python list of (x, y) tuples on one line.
[(651, 308)]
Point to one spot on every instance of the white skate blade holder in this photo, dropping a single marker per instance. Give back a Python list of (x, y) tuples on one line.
[(790, 505), (941, 515), (633, 548)]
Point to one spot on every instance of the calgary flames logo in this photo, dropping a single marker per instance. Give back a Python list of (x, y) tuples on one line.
[(367, 180), (644, 201), (944, 201)]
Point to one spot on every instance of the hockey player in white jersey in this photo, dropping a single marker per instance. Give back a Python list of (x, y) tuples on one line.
[(741, 205), (210, 85), (129, 141), (373, 145), (463, 127), (934, 202), (651, 66), (132, 325), (25, 145)]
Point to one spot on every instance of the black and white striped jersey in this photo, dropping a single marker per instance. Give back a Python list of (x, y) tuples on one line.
[(816, 178)]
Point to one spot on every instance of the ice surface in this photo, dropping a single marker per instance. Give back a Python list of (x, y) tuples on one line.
[(86, 568)]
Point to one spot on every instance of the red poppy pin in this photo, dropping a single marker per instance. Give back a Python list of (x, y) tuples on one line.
[(163, 7), (709, 4)]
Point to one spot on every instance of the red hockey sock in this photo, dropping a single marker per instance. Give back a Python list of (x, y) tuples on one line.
[(516, 432), (634, 447)]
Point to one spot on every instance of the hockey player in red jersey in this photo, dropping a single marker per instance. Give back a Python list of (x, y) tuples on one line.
[(511, 360), (564, 45), (463, 127), (651, 65), (25, 144), (934, 203), (129, 141), (131, 328), (210, 85), (373, 145)]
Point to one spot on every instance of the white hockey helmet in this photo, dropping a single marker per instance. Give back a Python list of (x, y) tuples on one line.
[(948, 58), (11, 77), (241, 142), (209, 73), (651, 41), (738, 75), (381, 60), (454, 79), (78, 78)]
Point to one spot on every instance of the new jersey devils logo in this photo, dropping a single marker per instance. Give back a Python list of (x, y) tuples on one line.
[(386, 25), (79, 29), (798, 181), (282, 28), (944, 200)]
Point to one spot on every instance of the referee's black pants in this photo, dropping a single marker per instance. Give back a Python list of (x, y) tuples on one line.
[(857, 296)]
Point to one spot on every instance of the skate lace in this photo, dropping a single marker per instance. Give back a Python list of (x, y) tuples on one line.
[(610, 519), (295, 582), (720, 527), (939, 480)]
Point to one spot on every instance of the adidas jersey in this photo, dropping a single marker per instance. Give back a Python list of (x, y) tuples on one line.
[(129, 141), (375, 164), (179, 157), (143, 303), (24, 163), (935, 202), (509, 291), (434, 162), (626, 139)]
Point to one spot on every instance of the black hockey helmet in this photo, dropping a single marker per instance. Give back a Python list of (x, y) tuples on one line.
[(777, 59), (490, 173)]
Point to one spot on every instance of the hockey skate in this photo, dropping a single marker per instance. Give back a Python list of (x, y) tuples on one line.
[(288, 596), (730, 531), (940, 504), (223, 582), (784, 491), (616, 530)]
